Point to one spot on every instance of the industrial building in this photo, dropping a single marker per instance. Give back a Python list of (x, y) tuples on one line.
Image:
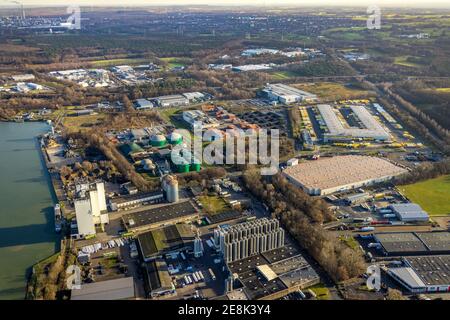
[(409, 212), (257, 52), (249, 238), (338, 131), (413, 243), (155, 244), (142, 104), (161, 216), (90, 207), (157, 279), (425, 274), (117, 289), (340, 173), (252, 67), (132, 200), (285, 94), (193, 116), (175, 100), (270, 275)]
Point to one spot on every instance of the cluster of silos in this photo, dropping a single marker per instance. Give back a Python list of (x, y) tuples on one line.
[(170, 187), (250, 238)]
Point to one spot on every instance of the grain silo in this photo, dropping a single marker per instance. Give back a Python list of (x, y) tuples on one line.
[(170, 187)]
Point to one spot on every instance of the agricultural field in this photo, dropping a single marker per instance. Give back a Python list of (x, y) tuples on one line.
[(432, 195)]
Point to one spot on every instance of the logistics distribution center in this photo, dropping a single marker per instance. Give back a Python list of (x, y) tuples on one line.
[(424, 274), (329, 175), (287, 95), (339, 131)]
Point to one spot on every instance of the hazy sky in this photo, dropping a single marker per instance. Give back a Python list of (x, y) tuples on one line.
[(381, 3)]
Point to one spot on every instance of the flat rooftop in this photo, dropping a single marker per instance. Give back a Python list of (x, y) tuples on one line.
[(117, 289), (409, 211), (432, 270), (133, 197), (400, 242), (273, 271), (162, 213), (372, 128), (284, 90), (333, 172), (163, 239), (415, 242)]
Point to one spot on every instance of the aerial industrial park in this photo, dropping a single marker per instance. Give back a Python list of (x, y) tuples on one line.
[(132, 210)]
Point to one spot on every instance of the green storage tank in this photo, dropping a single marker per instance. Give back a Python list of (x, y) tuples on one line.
[(175, 138), (196, 167), (158, 140), (183, 168)]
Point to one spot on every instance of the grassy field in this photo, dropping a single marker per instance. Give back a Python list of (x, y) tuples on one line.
[(282, 75), (349, 241), (333, 91), (432, 195), (321, 291), (82, 122), (402, 61), (115, 62), (173, 62), (213, 204)]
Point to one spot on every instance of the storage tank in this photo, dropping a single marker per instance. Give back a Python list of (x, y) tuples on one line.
[(158, 140), (170, 187), (175, 138), (195, 167)]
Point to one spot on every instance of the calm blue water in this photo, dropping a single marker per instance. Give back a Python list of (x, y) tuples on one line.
[(26, 206)]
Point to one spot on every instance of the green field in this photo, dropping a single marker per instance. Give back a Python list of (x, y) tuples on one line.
[(213, 204), (432, 195), (403, 61), (115, 62), (322, 292)]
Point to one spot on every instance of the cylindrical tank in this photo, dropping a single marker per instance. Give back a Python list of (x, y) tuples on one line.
[(170, 186), (175, 138), (158, 140), (195, 167)]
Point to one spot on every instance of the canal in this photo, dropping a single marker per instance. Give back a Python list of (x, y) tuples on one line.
[(26, 206)]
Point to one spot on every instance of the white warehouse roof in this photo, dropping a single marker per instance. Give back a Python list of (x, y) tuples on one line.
[(373, 128)]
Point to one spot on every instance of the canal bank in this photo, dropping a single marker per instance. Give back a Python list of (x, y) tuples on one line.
[(26, 214)]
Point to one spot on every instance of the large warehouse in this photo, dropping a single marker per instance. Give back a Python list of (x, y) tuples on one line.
[(285, 94), (340, 173), (372, 129), (424, 274)]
